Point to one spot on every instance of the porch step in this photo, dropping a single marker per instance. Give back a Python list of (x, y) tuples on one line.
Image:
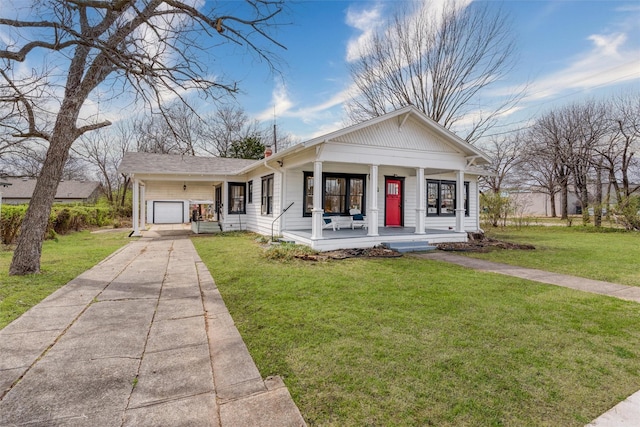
[(409, 246), (205, 227), (283, 240)]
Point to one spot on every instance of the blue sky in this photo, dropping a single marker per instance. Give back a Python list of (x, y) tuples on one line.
[(567, 50)]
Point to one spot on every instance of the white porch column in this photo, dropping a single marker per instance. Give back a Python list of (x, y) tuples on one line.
[(317, 211), (460, 201), (143, 209), (421, 201), (372, 212), (136, 208)]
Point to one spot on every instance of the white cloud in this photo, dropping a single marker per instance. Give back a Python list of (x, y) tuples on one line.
[(367, 22), (281, 104), (608, 62), (608, 45)]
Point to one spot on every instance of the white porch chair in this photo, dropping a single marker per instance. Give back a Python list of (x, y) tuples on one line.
[(357, 219), (328, 222)]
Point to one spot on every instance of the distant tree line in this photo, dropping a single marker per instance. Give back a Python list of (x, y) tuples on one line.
[(588, 147), (225, 132)]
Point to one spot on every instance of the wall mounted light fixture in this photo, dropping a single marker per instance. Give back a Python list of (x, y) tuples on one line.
[(184, 187)]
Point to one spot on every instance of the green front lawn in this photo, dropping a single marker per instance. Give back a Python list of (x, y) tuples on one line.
[(62, 260), (611, 255), (408, 341)]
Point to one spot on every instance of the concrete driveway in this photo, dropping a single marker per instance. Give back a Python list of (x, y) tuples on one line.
[(141, 339)]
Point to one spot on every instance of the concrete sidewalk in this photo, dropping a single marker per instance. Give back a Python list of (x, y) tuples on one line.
[(627, 412), (629, 293), (141, 339)]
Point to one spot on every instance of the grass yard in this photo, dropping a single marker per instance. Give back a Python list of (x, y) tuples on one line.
[(576, 220), (62, 260), (407, 341), (610, 254)]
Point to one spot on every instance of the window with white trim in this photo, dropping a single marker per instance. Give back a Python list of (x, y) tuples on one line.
[(267, 195), (237, 198), (341, 193), (441, 198)]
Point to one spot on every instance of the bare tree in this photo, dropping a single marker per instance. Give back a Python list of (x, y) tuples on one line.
[(227, 125), (546, 145), (103, 150), (571, 135), (588, 125), (624, 141), (440, 61), (25, 159), (154, 48), (176, 130), (541, 170), (506, 155)]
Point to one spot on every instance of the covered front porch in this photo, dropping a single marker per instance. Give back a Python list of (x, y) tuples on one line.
[(358, 238)]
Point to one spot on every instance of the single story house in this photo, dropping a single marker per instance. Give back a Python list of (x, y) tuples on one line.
[(21, 189), (397, 177)]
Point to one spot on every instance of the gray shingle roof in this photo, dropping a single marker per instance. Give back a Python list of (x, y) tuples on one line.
[(151, 163), (22, 188)]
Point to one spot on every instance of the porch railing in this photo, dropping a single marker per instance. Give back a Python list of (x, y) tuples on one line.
[(278, 217)]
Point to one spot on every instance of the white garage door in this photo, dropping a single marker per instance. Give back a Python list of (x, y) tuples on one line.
[(168, 212)]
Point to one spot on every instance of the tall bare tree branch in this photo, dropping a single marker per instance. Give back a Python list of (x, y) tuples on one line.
[(155, 49), (439, 61)]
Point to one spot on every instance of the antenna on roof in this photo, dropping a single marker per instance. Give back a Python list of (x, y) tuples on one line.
[(275, 140)]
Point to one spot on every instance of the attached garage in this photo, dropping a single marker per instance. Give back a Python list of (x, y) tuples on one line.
[(166, 212)]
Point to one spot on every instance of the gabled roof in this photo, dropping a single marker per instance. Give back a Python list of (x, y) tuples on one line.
[(457, 143), (152, 163), (22, 188), (176, 164)]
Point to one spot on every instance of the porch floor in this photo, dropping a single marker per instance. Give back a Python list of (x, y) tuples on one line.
[(348, 233), (347, 238)]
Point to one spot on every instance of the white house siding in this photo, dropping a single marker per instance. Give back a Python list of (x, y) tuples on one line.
[(412, 135), (392, 157), (294, 219), (167, 191), (254, 220)]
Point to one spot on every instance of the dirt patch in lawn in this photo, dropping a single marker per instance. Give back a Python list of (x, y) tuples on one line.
[(375, 252), (477, 243), (480, 243)]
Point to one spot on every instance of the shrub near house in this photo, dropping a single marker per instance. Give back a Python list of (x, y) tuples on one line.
[(63, 219)]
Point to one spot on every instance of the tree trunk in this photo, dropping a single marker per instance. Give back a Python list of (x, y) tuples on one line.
[(125, 186), (597, 209), (26, 258), (552, 197), (564, 201), (584, 202)]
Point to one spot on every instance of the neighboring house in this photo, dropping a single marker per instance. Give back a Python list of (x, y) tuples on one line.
[(21, 189), (410, 179), (3, 184)]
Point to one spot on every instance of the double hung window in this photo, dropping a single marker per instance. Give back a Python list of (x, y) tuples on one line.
[(237, 198), (441, 198), (340, 193), (267, 195)]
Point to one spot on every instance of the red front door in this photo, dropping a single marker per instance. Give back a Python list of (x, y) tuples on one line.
[(393, 202)]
